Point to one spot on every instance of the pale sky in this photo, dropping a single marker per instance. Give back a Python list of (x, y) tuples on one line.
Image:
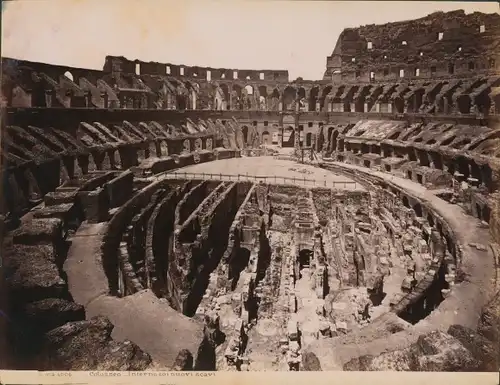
[(239, 34)]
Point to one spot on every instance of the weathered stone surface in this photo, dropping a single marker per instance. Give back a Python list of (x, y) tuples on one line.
[(442, 352), (50, 313), (87, 345), (32, 273), (484, 350), (310, 362), (37, 231), (489, 323), (184, 361), (436, 351)]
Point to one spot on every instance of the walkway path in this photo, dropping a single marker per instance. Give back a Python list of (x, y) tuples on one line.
[(142, 317)]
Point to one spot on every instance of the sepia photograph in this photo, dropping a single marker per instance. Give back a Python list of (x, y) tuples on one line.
[(250, 186)]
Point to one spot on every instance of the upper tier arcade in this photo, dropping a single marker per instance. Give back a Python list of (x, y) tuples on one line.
[(29, 84), (440, 45), (116, 64)]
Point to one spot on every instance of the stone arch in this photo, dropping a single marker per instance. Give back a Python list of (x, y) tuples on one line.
[(289, 96), (287, 139), (274, 100), (323, 98), (225, 93), (313, 98), (302, 99), (236, 94)]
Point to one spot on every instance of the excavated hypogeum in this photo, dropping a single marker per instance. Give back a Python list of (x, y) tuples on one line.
[(224, 275)]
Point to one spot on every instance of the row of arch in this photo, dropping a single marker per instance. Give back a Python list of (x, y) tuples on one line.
[(286, 134), (314, 98)]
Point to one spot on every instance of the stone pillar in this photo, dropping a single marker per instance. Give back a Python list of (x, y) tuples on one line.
[(365, 107), (318, 106), (88, 99), (48, 98), (104, 96), (445, 105)]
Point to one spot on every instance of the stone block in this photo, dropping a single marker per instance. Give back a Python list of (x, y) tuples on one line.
[(120, 189), (47, 230), (96, 205), (60, 197)]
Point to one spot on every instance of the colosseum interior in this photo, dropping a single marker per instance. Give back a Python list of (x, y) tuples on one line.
[(161, 216)]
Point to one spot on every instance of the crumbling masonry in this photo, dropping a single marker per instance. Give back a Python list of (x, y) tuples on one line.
[(115, 257)]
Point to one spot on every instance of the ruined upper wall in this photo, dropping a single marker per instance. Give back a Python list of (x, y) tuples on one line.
[(440, 45), (121, 64)]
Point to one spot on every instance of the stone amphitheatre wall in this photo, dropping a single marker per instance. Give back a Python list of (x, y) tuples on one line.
[(104, 254)]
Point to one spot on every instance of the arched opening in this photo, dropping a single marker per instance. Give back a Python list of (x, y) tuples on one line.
[(483, 103), (244, 131), (301, 97), (262, 98), (192, 94), (237, 103), (309, 139), (313, 97), (406, 203), (275, 100), (324, 94), (288, 137), (69, 75), (399, 105), (249, 89), (305, 258), (464, 104), (225, 91), (418, 209), (181, 102), (289, 95), (266, 138)]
